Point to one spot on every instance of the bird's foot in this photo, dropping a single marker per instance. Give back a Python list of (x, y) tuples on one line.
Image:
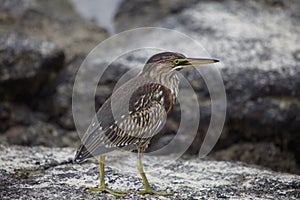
[(151, 191), (117, 193)]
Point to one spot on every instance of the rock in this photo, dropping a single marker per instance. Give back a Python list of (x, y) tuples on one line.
[(62, 99), (40, 134), (48, 173), (27, 72), (22, 126), (17, 114), (28, 67), (272, 95), (260, 153), (52, 21), (129, 14), (4, 116), (35, 36)]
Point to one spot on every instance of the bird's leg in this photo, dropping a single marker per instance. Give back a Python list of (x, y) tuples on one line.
[(102, 187), (148, 189)]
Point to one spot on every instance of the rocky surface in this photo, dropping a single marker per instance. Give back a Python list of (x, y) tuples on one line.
[(129, 14), (52, 21), (39, 41), (48, 173), (28, 67), (259, 153)]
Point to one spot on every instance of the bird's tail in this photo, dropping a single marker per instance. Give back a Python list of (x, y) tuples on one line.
[(81, 154)]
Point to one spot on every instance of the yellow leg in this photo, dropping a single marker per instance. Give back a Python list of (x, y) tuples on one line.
[(148, 189), (102, 187)]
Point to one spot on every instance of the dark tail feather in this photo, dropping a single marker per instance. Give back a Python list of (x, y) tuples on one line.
[(82, 154)]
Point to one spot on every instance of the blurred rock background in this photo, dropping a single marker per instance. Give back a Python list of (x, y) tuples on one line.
[(43, 43)]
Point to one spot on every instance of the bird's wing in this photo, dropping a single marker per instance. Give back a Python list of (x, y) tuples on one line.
[(132, 132), (119, 130), (138, 127)]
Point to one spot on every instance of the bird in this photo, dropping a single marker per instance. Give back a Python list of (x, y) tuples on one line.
[(134, 113)]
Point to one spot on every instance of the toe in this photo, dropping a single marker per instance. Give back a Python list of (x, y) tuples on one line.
[(150, 191), (117, 193)]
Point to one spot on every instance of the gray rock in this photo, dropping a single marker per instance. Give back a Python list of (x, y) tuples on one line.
[(260, 153), (34, 36), (27, 71), (28, 67), (62, 99), (17, 114), (144, 13), (48, 173), (40, 133), (23, 126), (54, 21), (4, 116)]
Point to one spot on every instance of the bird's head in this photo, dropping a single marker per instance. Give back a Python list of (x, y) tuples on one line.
[(171, 61)]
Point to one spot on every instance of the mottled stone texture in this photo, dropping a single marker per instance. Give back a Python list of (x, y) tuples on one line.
[(48, 173), (40, 42)]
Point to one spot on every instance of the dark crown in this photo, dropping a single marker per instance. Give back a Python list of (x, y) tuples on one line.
[(165, 57)]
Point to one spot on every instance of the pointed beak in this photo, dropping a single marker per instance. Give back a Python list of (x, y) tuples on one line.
[(199, 61)]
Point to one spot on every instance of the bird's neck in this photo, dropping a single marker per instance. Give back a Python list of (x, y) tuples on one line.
[(167, 78)]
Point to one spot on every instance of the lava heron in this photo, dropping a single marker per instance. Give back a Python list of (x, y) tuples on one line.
[(134, 113)]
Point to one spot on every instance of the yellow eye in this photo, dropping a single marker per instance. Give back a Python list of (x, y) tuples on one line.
[(176, 62)]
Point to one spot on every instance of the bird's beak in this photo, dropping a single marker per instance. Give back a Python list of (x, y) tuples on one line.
[(198, 61)]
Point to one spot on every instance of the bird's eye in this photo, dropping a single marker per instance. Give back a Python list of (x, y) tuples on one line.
[(176, 62)]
